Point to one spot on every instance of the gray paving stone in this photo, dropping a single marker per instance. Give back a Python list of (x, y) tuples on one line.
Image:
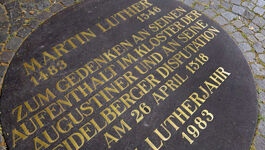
[(6, 56), (29, 9), (230, 28), (2, 45), (245, 47), (11, 5), (220, 10), (3, 37), (261, 127), (43, 16), (260, 36), (199, 7), (259, 10), (262, 57), (244, 20), (248, 5), (226, 5), (259, 142), (238, 23), (14, 14), (2, 9), (261, 84), (262, 105), (229, 15), (238, 9), (67, 3), (258, 70), (56, 8), (246, 30), (252, 39), (209, 13), (3, 27), (3, 18), (221, 20), (189, 2), (258, 47), (238, 37), (33, 24), (42, 4), (16, 25), (236, 2), (262, 31), (261, 3), (259, 21), (23, 32), (253, 27), (27, 5), (14, 43), (215, 4), (263, 43), (261, 97), (250, 56), (205, 1), (248, 14)]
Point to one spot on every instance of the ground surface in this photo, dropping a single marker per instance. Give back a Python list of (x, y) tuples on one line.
[(244, 20)]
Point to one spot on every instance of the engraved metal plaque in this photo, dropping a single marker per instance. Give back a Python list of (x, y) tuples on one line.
[(132, 75)]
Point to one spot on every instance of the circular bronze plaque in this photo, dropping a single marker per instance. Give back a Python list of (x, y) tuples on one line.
[(136, 75)]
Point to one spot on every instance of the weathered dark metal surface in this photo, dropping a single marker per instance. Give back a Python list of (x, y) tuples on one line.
[(55, 93)]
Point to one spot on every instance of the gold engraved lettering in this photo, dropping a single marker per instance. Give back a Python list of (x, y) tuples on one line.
[(123, 15), (31, 67), (119, 131), (182, 113)]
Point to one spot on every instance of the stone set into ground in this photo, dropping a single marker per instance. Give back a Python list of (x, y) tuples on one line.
[(244, 20)]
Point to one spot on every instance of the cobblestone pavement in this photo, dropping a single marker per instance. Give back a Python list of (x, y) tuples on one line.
[(244, 20)]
